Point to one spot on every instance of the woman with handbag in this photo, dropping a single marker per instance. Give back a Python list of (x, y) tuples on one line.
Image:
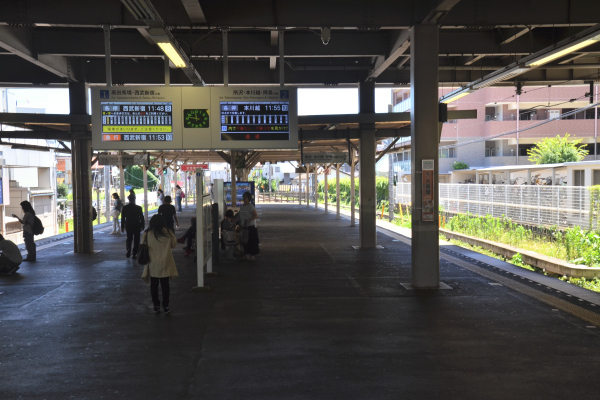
[(161, 266), (115, 212), (248, 218)]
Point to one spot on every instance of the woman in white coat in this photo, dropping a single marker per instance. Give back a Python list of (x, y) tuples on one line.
[(162, 264)]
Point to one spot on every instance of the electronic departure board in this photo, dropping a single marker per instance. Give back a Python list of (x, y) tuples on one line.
[(255, 120), (137, 121)]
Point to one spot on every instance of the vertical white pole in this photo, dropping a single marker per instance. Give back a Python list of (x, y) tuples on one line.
[(107, 193), (337, 191), (325, 194), (199, 230), (145, 172), (315, 183), (299, 186), (185, 184), (307, 186), (352, 191)]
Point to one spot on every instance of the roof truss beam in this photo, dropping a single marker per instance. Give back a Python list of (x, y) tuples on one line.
[(19, 41)]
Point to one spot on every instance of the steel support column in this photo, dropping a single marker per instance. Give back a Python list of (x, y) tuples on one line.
[(367, 150), (424, 43), (234, 180), (82, 182)]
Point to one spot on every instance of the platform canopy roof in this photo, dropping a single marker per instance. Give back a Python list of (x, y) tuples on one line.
[(321, 43), (325, 42)]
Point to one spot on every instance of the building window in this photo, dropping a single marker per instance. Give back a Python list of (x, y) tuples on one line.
[(277, 169), (524, 147), (579, 177), (596, 177), (447, 153)]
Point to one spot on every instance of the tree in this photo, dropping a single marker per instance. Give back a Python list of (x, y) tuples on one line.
[(557, 150), (460, 165), (134, 176), (62, 190)]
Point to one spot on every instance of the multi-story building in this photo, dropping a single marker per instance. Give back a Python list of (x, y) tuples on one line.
[(497, 137)]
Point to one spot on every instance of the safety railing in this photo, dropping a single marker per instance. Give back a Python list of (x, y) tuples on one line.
[(537, 205)]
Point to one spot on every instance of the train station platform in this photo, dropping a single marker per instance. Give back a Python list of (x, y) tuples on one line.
[(312, 318)]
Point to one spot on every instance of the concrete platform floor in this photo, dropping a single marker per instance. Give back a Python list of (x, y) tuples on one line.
[(311, 319)]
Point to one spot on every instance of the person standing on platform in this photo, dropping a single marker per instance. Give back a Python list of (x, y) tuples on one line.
[(131, 193), (160, 196), (161, 267), (132, 221), (169, 214), (115, 212), (248, 216), (178, 197), (27, 221), (10, 256)]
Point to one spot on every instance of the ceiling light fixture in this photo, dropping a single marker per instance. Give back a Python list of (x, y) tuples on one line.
[(165, 40), (496, 77), (455, 95), (583, 39)]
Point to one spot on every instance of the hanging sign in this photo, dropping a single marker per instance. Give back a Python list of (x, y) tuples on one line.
[(325, 158), (427, 192), (124, 159), (193, 167)]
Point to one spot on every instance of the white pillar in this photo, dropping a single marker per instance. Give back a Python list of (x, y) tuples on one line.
[(122, 182), (185, 184), (337, 191), (145, 173), (325, 194), (352, 190), (107, 193), (299, 186), (307, 194), (315, 183)]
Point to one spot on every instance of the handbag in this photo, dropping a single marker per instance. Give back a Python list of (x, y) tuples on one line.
[(144, 252), (115, 213)]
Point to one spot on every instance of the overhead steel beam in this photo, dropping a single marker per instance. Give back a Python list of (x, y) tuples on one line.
[(19, 41), (39, 134), (439, 12), (34, 147), (50, 119), (517, 35), (369, 118), (194, 10), (401, 44)]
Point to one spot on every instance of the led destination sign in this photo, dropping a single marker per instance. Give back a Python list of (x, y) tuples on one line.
[(255, 120), (137, 121)]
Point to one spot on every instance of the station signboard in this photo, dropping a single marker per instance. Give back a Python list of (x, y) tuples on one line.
[(124, 159), (325, 158), (186, 118), (193, 167), (136, 118), (255, 118)]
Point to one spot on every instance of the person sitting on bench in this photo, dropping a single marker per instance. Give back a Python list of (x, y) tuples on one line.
[(10, 256)]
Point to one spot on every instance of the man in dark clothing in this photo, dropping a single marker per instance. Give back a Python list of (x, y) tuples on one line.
[(132, 220)]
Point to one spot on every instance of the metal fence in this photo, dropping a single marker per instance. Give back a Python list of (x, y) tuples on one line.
[(562, 206)]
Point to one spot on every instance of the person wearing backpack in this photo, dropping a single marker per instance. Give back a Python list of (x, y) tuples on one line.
[(28, 222), (115, 212)]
